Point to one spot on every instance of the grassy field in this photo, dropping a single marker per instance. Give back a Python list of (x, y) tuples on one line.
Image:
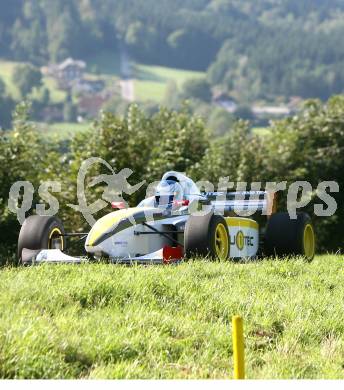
[(151, 81), (105, 321), (6, 71)]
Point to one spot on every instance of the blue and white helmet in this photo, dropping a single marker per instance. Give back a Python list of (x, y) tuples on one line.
[(167, 192)]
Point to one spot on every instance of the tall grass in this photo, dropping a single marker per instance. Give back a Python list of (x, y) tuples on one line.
[(106, 321)]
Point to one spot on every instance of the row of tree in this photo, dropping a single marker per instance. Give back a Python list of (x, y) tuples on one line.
[(258, 49), (307, 147)]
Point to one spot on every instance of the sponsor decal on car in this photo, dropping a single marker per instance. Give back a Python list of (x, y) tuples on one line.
[(240, 240)]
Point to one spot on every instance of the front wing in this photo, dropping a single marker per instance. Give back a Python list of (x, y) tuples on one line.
[(58, 257)]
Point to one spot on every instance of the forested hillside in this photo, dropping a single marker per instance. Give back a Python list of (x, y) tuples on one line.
[(253, 49)]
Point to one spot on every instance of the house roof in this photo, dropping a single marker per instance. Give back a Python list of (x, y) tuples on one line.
[(222, 96), (69, 61), (91, 104), (273, 110)]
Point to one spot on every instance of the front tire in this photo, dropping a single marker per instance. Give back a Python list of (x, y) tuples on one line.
[(206, 236), (290, 237), (41, 232)]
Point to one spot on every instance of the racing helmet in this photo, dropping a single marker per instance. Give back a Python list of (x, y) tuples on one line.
[(167, 192)]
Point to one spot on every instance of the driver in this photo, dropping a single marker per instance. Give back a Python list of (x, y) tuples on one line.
[(167, 192)]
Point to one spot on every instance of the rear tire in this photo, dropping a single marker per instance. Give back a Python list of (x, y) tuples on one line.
[(290, 237), (206, 236), (41, 232)]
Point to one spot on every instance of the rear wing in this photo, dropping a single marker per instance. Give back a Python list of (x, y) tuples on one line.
[(241, 202)]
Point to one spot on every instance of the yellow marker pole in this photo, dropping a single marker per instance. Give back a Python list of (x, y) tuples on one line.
[(238, 347)]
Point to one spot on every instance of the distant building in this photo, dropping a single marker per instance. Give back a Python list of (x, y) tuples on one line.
[(222, 99), (295, 103), (271, 110), (52, 113), (67, 72), (89, 106), (88, 86), (70, 70)]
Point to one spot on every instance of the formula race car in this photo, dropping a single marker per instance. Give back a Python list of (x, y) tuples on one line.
[(178, 221)]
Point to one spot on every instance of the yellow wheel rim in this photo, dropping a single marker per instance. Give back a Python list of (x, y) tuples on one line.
[(55, 239), (309, 241), (221, 241)]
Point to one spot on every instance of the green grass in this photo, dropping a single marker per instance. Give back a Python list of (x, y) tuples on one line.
[(151, 81), (106, 321), (163, 74), (56, 95), (149, 90), (6, 71)]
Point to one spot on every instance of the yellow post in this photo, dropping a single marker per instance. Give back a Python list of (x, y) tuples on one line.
[(238, 347)]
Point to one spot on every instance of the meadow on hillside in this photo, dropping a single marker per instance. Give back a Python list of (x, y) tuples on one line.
[(106, 321), (151, 81)]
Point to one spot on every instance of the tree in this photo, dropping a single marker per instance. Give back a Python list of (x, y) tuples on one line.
[(220, 121), (244, 112), (307, 147), (2, 88), (197, 89), (45, 97), (140, 39), (255, 52), (6, 107), (181, 143), (23, 156), (310, 147), (235, 155), (69, 112), (26, 77), (175, 38)]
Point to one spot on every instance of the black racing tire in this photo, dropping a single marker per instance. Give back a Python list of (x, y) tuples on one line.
[(206, 236), (41, 232), (290, 237)]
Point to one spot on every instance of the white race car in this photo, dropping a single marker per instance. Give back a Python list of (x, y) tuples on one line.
[(178, 222)]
